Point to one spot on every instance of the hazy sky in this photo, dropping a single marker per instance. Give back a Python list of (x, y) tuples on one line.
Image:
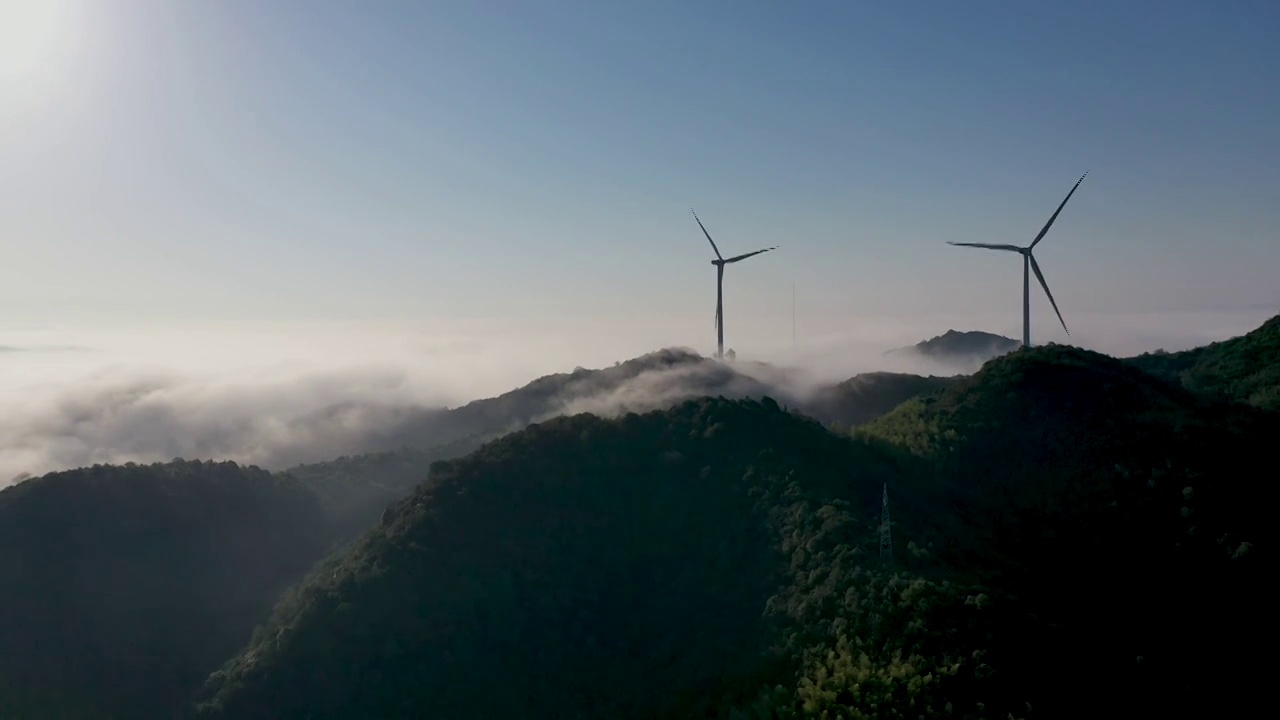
[(252, 229), (453, 164)]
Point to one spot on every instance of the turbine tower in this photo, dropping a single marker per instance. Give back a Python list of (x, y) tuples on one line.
[(720, 262), (1030, 265)]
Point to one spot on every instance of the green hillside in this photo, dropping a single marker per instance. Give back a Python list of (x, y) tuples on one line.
[(1072, 536), (653, 381), (356, 489), (1120, 510), (675, 564), (865, 397), (1245, 369), (125, 586)]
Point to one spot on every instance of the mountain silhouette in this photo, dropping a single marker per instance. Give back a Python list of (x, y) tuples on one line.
[(1060, 509), (1059, 512), (965, 350)]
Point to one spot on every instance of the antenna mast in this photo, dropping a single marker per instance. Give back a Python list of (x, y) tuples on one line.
[(886, 538)]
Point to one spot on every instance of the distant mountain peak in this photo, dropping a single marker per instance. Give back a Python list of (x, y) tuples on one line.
[(965, 345)]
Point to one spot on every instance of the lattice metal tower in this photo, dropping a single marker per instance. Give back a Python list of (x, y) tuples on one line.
[(886, 538)]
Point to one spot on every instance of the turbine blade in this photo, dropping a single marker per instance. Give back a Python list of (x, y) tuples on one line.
[(747, 255), (1055, 212), (704, 232), (1035, 267), (1013, 248)]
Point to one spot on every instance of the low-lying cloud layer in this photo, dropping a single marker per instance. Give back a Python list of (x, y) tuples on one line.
[(90, 412), (272, 422), (280, 419)]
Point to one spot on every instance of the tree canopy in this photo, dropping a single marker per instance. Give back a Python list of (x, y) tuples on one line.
[(1245, 369), (1060, 512), (125, 586)]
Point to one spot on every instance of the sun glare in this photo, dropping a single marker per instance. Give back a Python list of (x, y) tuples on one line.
[(31, 34)]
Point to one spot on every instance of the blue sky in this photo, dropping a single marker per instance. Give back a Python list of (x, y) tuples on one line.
[(535, 162)]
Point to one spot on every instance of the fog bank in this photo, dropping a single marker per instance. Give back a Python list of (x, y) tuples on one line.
[(280, 396)]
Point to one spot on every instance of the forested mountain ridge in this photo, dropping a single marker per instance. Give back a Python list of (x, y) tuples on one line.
[(653, 381), (1245, 368), (357, 488), (1059, 510), (866, 396), (1057, 472), (1070, 533), (354, 490), (125, 586), (675, 564)]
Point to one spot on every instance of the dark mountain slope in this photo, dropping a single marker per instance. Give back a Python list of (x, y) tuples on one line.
[(867, 396), (1245, 368), (1070, 532), (675, 564), (125, 586), (354, 490), (1122, 511), (1060, 516), (1093, 515)]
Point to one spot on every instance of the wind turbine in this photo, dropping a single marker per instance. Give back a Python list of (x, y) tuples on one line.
[(720, 262), (1029, 265)]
